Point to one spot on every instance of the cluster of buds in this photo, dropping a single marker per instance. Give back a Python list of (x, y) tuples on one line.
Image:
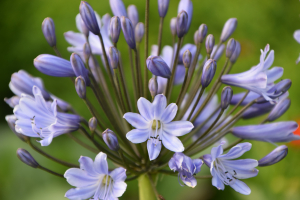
[(140, 137)]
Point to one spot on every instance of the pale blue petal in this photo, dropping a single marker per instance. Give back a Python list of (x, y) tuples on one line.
[(297, 35), (136, 120), (243, 174), (79, 178), (118, 174), (145, 108), (242, 164), (216, 152), (81, 193), (154, 148), (237, 151), (169, 113), (172, 143), (172, 164), (197, 163), (190, 181), (87, 164), (207, 159), (138, 135), (178, 128), (274, 74), (100, 163), (119, 188), (159, 105), (269, 60), (216, 181), (47, 140), (241, 187), (188, 164)]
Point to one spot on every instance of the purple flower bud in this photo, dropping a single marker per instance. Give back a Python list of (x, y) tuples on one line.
[(153, 87), (93, 124), (133, 15), (228, 29), (173, 26), (26, 158), (187, 6), (226, 97), (187, 58), (279, 109), (115, 29), (202, 32), (13, 101), (281, 87), (11, 121), (80, 87), (163, 6), (208, 73), (113, 57), (79, 68), (182, 20), (139, 32), (236, 52), (53, 66), (88, 16), (48, 29), (230, 48), (219, 52), (86, 51), (111, 140), (209, 43), (118, 8), (128, 32), (158, 66), (196, 37), (274, 157)]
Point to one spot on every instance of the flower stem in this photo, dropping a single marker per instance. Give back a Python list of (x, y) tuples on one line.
[(196, 103), (146, 78), (82, 143), (50, 171), (146, 191), (138, 74), (160, 31), (182, 93)]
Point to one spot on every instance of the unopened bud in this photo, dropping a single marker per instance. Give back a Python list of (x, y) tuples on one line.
[(158, 66), (153, 87), (133, 15), (182, 20), (115, 29), (80, 87), (236, 52), (111, 140), (173, 26), (84, 29), (93, 124), (208, 73), (274, 157), (228, 29), (128, 32), (88, 16), (226, 97), (86, 51), (163, 6), (279, 109), (139, 32), (187, 58), (79, 68), (230, 48), (219, 52), (26, 158), (48, 29), (209, 43), (113, 57), (202, 32)]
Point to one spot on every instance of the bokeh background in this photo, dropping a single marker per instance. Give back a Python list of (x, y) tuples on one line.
[(259, 22)]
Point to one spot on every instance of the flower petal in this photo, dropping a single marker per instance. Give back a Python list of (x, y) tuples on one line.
[(154, 148), (79, 178), (119, 188), (145, 108), (197, 163), (118, 174), (100, 163), (87, 164), (189, 181), (178, 128), (159, 105), (216, 152), (217, 182), (242, 164), (169, 113), (138, 135), (136, 120), (172, 143), (81, 193), (237, 151), (241, 187)]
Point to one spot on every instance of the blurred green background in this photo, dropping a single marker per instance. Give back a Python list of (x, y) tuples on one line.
[(259, 22)]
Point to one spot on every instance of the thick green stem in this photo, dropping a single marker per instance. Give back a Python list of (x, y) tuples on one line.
[(145, 188)]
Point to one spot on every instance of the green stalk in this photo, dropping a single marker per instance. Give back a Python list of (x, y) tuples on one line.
[(146, 191)]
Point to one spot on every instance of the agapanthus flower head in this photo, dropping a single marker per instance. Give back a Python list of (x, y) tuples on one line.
[(27, 158), (186, 168), (94, 180), (154, 123), (275, 156), (133, 15), (226, 171), (38, 118), (88, 16), (48, 29)]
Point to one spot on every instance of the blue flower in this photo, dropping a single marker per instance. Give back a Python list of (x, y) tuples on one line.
[(38, 118), (227, 171), (94, 180), (258, 79), (186, 168), (154, 123), (297, 38), (272, 132)]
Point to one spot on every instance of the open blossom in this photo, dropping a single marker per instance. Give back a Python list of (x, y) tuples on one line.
[(186, 168), (154, 123), (38, 118), (94, 180), (259, 78), (226, 171)]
